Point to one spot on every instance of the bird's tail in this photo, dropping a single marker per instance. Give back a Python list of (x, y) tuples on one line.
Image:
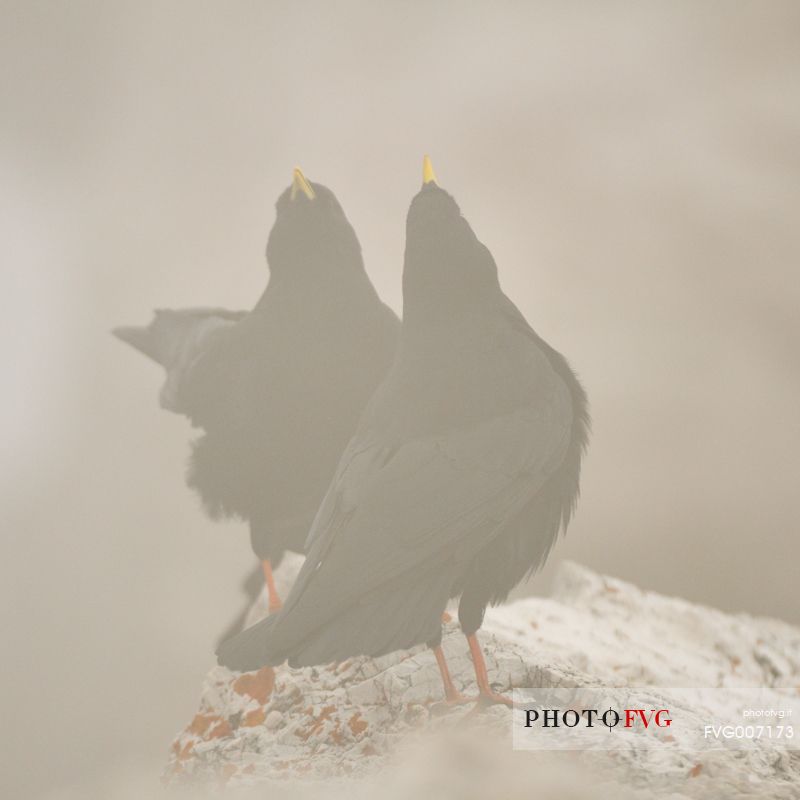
[(250, 649), (141, 339)]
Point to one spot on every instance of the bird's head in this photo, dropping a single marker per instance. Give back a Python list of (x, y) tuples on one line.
[(444, 261), (311, 232)]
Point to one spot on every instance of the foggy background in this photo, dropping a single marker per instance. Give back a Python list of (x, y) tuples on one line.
[(632, 167)]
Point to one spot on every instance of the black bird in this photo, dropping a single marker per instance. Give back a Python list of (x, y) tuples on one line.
[(464, 468), (278, 391)]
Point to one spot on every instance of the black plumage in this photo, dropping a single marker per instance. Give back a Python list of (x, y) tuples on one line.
[(278, 391), (464, 467)]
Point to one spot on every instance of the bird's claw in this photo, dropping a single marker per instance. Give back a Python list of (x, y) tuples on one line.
[(486, 699), (452, 700)]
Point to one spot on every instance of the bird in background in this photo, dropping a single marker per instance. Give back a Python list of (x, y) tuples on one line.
[(278, 391), (464, 467)]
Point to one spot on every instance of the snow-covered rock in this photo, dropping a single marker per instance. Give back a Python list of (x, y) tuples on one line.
[(354, 721)]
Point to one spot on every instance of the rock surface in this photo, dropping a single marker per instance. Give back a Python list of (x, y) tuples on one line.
[(348, 722)]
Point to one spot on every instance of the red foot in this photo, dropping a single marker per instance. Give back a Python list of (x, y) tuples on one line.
[(274, 598), (486, 700), (487, 696), (443, 706), (454, 698)]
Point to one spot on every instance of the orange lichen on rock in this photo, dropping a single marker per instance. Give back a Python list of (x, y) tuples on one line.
[(186, 751), (315, 723), (357, 724), (221, 730), (695, 770), (336, 735), (258, 685), (201, 723), (254, 718)]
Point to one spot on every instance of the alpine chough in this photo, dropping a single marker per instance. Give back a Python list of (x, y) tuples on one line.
[(278, 391), (464, 468)]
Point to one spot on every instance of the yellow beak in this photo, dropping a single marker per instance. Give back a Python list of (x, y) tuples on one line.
[(428, 175), (300, 184)]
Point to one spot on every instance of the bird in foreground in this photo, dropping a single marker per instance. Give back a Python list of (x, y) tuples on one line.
[(278, 391), (464, 468)]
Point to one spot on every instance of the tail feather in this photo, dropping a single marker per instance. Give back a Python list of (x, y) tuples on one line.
[(249, 650), (140, 339), (395, 618)]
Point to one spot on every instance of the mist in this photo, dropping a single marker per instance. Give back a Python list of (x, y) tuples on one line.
[(632, 167)]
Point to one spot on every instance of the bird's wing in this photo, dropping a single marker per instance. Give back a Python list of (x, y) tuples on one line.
[(427, 501)]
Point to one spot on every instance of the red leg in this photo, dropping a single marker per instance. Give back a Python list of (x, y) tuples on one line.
[(486, 696), (274, 600), (451, 694)]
